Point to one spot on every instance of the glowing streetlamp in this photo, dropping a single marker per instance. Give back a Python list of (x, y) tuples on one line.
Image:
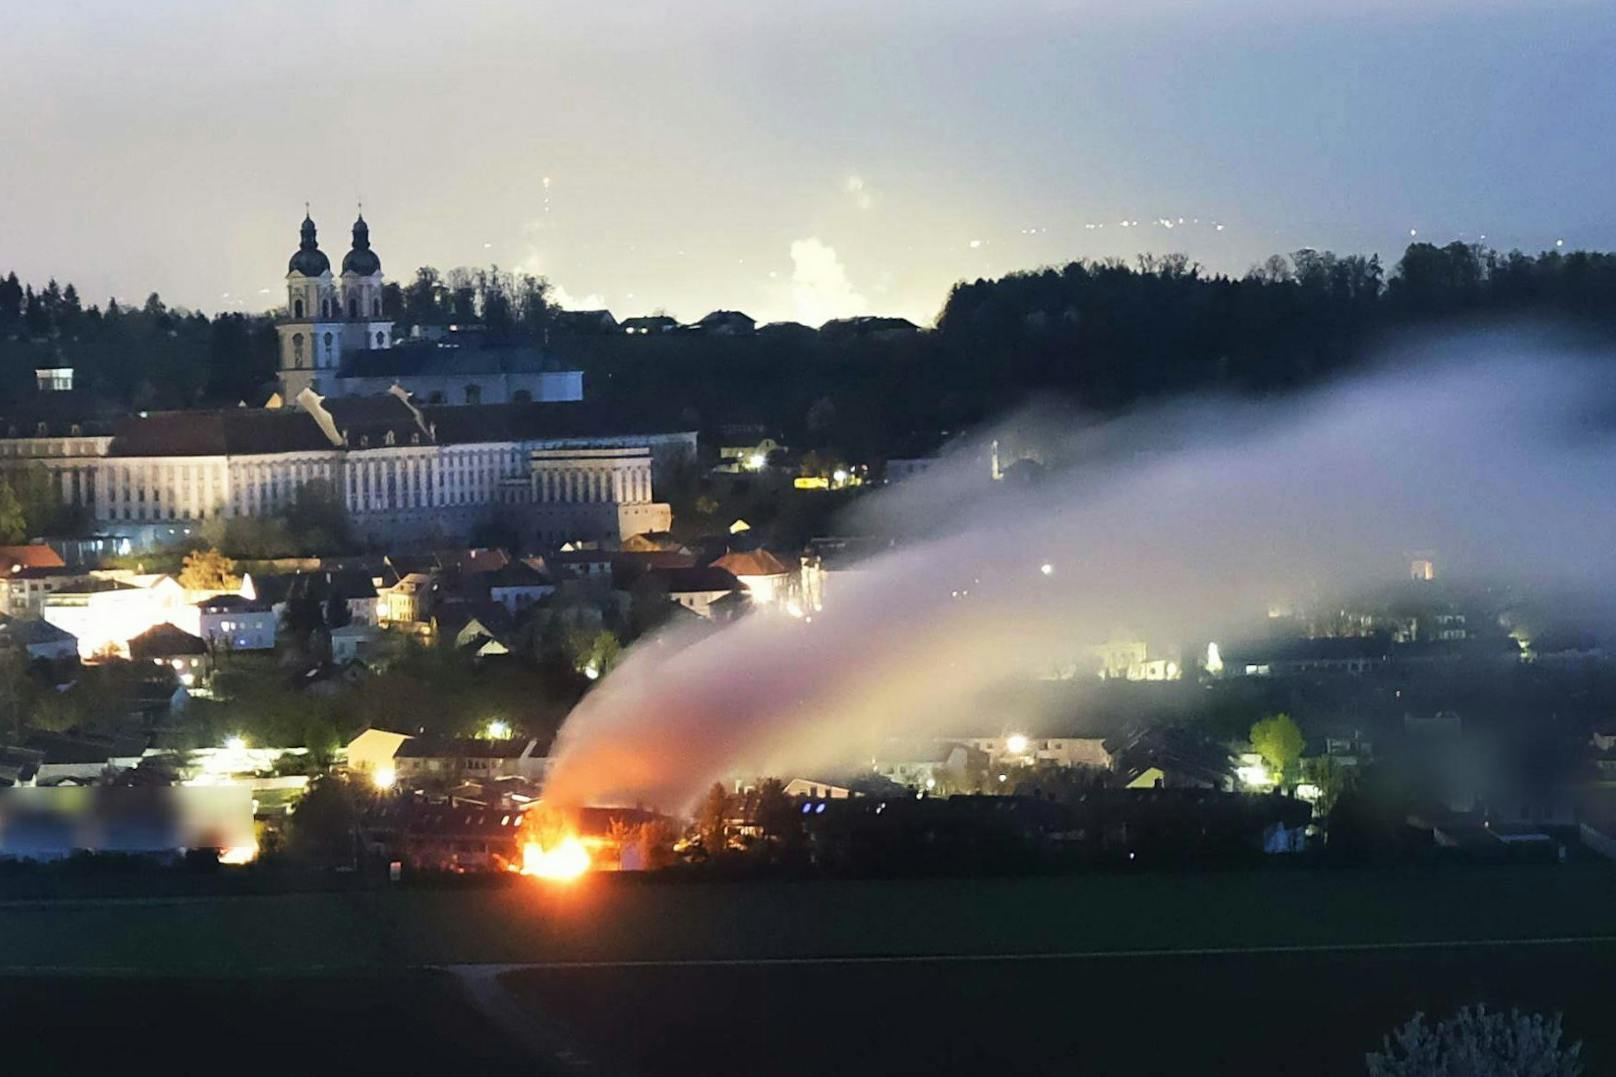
[(499, 729), (236, 744), (384, 777), (1047, 569), (1017, 744)]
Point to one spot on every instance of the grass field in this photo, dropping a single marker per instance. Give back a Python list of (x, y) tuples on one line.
[(627, 918), (1290, 971)]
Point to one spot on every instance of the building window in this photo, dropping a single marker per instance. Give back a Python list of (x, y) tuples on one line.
[(389, 439), (328, 340), (381, 339), (297, 349), (474, 394), (353, 307), (522, 396), (297, 309), (325, 307), (376, 307)]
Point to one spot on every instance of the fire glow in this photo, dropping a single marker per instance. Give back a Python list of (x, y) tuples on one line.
[(564, 861)]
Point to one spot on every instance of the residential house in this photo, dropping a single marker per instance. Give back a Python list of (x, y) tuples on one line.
[(355, 643), (235, 622), (404, 600), (80, 759), (931, 764), (769, 581), (104, 614), (726, 323), (28, 574), (372, 752), (585, 322), (518, 585), (869, 327), (648, 325), (1167, 757), (449, 837), (171, 646), (38, 639), (816, 789), (456, 760), (696, 589)]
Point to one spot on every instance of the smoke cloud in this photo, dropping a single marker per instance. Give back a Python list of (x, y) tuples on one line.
[(1180, 523), (820, 287)]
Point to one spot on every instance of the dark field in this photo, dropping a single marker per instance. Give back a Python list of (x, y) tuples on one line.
[(339, 979), (1304, 1014)]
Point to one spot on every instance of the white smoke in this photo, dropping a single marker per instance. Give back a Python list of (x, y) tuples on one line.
[(819, 283), (1181, 522)]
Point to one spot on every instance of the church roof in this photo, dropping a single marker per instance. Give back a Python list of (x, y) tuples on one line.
[(361, 260), (309, 259), (364, 420), (427, 360)]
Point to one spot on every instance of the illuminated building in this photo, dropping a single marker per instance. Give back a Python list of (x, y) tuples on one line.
[(403, 472), (336, 340), (769, 580)]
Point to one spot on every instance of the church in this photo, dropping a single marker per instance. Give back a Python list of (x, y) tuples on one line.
[(337, 340), (421, 440)]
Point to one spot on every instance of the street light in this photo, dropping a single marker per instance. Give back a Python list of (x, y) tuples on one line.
[(1017, 743), (498, 729)]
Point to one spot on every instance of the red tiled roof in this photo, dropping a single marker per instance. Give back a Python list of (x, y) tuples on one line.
[(35, 555), (752, 563)]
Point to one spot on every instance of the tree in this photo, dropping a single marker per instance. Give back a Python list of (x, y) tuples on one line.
[(1332, 780), (711, 816), (1280, 743), (208, 570), (1475, 1043), (13, 520), (593, 652), (324, 831), (776, 816)]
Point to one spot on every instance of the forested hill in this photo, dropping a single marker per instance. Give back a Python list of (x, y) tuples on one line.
[(1106, 333)]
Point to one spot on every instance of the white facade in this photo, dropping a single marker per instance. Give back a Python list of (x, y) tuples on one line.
[(560, 488)]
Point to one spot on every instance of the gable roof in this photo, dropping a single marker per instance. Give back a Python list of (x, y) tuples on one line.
[(34, 555), (694, 580), (758, 562), (32, 633), (160, 641)]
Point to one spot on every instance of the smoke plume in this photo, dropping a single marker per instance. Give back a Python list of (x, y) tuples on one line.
[(1180, 522)]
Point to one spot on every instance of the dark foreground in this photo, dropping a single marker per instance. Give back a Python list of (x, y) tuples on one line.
[(1314, 1014), (897, 976), (411, 1023)]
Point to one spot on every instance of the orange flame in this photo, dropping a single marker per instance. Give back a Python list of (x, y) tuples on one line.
[(562, 862)]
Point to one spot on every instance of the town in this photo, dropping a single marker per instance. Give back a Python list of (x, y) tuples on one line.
[(913, 538), (477, 552)]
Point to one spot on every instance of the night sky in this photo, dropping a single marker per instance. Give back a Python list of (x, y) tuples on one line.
[(793, 160)]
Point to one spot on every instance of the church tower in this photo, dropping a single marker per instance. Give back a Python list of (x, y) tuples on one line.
[(312, 327), (366, 329)]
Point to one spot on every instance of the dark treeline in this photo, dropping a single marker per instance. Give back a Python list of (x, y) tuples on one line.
[(1107, 334)]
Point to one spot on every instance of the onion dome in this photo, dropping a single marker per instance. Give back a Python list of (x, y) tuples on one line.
[(309, 259), (361, 260)]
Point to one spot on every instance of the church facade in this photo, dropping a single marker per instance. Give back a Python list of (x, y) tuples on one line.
[(336, 340)]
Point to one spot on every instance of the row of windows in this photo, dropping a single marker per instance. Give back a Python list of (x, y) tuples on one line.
[(330, 344), (326, 307)]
